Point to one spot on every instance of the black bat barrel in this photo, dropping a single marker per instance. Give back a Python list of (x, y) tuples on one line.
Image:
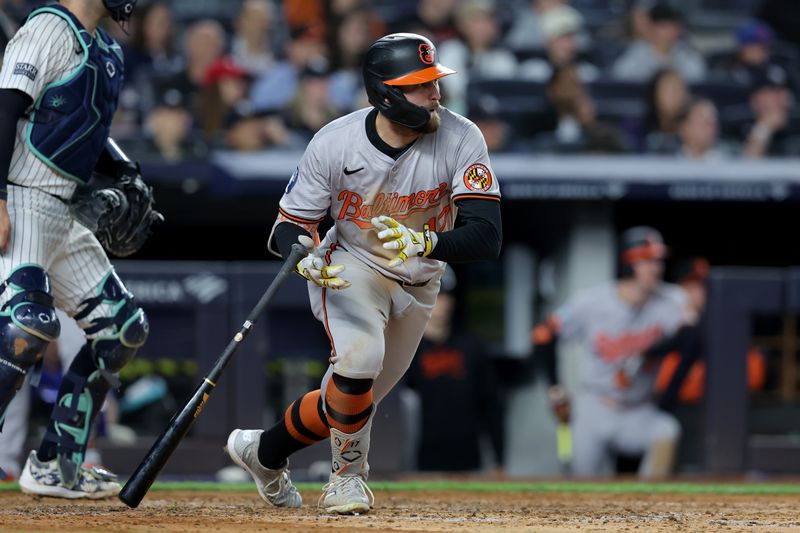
[(142, 479)]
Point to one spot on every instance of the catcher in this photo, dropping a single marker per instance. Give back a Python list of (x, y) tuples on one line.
[(59, 86)]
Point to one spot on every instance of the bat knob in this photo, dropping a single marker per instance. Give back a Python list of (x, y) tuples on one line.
[(306, 242)]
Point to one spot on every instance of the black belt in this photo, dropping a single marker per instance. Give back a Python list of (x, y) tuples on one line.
[(418, 284), (57, 197)]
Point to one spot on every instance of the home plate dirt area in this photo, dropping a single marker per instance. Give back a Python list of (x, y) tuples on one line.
[(539, 507)]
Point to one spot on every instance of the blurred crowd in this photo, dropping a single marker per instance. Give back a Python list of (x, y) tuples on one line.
[(702, 80)]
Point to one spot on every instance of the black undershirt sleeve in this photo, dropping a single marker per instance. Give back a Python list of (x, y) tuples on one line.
[(477, 235), (285, 235), (13, 104)]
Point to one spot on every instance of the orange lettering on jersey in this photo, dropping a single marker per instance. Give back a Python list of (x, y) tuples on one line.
[(628, 344), (391, 204), (443, 361)]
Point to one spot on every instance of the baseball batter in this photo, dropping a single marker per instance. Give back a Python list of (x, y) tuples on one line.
[(59, 85), (619, 327), (410, 187)]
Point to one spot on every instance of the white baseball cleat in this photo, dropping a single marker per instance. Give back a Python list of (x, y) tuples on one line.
[(346, 495), (43, 478), (274, 486)]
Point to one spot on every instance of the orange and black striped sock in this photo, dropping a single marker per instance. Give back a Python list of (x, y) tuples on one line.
[(303, 424), (348, 403)]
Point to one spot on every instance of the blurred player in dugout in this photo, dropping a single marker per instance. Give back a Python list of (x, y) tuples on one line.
[(681, 377), (460, 405), (624, 329)]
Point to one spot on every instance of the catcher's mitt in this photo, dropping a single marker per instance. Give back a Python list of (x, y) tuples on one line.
[(119, 212)]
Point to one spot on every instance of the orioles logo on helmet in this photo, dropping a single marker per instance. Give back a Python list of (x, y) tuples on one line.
[(426, 53)]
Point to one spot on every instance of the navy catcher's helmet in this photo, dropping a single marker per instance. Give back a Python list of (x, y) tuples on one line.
[(121, 10), (639, 243), (400, 59)]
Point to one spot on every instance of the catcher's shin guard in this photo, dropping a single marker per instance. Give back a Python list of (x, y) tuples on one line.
[(28, 323), (112, 341), (115, 336), (80, 397)]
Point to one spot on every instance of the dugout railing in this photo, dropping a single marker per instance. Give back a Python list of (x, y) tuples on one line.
[(733, 439)]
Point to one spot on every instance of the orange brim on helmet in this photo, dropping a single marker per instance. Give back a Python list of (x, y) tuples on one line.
[(644, 252), (422, 76)]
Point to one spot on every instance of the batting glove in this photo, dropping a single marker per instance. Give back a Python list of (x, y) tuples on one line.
[(559, 403), (396, 236), (314, 269)]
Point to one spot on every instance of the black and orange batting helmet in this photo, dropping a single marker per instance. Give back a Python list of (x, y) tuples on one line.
[(395, 60), (639, 243)]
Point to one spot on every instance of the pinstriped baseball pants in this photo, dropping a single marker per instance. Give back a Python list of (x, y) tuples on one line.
[(42, 232)]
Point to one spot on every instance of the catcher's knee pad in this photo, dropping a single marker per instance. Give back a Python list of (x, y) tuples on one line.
[(28, 323), (348, 403), (118, 327)]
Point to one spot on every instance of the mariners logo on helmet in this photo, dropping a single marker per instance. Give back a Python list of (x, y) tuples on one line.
[(427, 53), (478, 177)]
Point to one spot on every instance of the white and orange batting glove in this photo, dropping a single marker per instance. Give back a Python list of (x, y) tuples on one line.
[(313, 268), (396, 236)]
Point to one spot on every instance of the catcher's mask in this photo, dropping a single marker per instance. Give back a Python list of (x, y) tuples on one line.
[(396, 60), (121, 10)]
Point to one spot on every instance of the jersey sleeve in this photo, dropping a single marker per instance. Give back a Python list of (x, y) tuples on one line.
[(38, 54), (680, 315), (570, 319), (307, 197), (474, 177)]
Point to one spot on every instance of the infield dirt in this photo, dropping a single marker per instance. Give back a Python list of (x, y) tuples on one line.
[(177, 511)]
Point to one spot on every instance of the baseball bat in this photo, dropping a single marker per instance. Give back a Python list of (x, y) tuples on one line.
[(147, 471)]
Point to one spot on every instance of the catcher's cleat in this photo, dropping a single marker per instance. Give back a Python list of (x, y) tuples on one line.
[(346, 495), (43, 478), (274, 486)]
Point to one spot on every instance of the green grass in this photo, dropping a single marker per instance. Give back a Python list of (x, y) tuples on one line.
[(625, 487)]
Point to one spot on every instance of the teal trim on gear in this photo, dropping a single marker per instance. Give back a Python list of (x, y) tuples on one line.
[(103, 282), (72, 75), (37, 334), (98, 116), (23, 265), (119, 335), (10, 312), (132, 320), (79, 434)]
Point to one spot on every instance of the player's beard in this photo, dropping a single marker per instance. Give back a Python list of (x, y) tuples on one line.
[(433, 122)]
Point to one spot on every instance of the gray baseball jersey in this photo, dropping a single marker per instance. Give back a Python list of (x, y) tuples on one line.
[(614, 336), (44, 50), (343, 172)]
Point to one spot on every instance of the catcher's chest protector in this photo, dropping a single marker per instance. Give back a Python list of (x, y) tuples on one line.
[(71, 119)]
